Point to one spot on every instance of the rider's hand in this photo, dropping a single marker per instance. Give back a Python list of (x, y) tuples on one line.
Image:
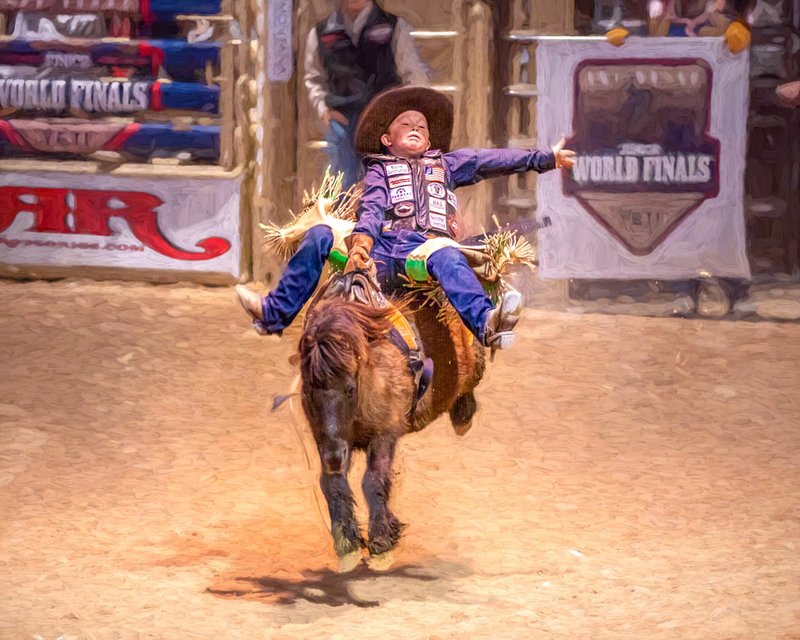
[(564, 157), (358, 258), (359, 245)]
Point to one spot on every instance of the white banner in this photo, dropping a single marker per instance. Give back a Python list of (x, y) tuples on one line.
[(164, 223), (660, 128), (279, 41)]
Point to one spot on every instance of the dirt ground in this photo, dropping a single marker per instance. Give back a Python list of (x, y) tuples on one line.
[(627, 477)]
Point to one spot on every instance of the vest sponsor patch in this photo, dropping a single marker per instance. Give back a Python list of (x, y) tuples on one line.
[(330, 39), (404, 209), (397, 169), (400, 181), (436, 190), (379, 34), (402, 194), (435, 174), (438, 221), (428, 161), (452, 200), (454, 229), (437, 205)]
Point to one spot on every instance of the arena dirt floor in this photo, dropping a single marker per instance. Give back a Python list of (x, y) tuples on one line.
[(627, 477)]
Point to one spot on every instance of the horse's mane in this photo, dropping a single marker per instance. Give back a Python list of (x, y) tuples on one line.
[(336, 339)]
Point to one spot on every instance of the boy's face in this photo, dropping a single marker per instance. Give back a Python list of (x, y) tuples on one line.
[(408, 135)]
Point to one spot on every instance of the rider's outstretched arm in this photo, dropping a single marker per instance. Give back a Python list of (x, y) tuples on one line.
[(468, 166)]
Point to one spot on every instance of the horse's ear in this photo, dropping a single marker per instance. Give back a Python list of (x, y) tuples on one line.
[(294, 359)]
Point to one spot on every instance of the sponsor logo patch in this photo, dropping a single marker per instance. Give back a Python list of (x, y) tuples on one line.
[(380, 34), (404, 209), (399, 181), (436, 190), (397, 169), (452, 200), (330, 39), (438, 221), (437, 205), (453, 224), (401, 194)]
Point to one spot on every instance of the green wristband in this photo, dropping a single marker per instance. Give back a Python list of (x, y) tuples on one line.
[(337, 259), (417, 270)]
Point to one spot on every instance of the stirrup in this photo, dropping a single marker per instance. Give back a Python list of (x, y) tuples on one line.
[(502, 340), (500, 324)]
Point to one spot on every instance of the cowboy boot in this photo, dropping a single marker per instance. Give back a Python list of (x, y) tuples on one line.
[(252, 303), (502, 320)]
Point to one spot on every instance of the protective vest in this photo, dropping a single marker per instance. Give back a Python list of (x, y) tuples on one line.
[(420, 198)]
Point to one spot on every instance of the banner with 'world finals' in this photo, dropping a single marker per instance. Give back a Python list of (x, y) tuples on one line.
[(660, 127)]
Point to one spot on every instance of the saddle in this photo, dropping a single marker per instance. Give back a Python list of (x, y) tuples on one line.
[(361, 286)]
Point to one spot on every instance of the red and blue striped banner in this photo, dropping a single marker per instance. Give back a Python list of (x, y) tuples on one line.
[(149, 10), (181, 60), (139, 141), (55, 96)]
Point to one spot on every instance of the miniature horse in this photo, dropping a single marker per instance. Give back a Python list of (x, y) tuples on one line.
[(358, 394)]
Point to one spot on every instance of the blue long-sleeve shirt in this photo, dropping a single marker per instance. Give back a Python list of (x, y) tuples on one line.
[(462, 167)]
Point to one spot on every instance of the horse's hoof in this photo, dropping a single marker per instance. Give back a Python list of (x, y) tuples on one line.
[(462, 412), (382, 561), (349, 561), (462, 429)]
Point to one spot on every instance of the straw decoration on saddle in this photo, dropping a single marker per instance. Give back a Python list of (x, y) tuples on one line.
[(491, 261), (328, 204)]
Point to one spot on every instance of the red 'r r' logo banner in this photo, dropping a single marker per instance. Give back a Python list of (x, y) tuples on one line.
[(91, 211)]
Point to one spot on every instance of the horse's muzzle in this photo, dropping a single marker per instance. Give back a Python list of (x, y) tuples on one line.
[(334, 456)]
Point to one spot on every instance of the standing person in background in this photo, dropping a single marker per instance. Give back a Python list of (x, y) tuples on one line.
[(353, 54)]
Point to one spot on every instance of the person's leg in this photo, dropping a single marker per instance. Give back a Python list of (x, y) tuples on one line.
[(342, 153), (462, 288), (296, 285), (349, 157)]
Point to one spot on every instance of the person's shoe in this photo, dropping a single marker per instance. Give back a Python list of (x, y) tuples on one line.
[(251, 303), (502, 320)]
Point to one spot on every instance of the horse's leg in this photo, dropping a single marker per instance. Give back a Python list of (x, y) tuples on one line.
[(462, 412), (384, 528), (347, 540)]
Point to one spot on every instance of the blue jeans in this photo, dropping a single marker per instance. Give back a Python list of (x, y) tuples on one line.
[(298, 280), (342, 151), (449, 267)]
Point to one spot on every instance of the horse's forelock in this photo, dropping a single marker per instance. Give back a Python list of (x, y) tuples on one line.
[(336, 340)]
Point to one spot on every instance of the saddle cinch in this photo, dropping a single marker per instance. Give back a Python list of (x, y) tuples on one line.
[(361, 286)]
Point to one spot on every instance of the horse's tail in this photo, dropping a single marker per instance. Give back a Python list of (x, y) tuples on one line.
[(336, 340)]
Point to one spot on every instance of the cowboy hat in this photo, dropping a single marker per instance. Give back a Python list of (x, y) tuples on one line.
[(385, 107)]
